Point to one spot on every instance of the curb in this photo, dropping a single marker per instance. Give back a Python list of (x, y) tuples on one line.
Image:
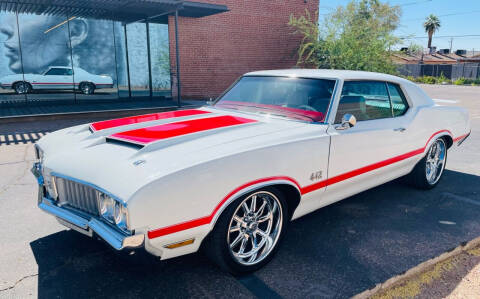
[(397, 280)]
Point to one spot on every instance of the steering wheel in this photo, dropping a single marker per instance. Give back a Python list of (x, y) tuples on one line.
[(306, 107)]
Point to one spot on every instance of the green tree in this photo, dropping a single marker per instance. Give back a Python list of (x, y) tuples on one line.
[(415, 49), (355, 37), (431, 25)]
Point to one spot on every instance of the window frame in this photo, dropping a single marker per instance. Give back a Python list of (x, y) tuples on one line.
[(405, 98), (402, 96), (65, 70)]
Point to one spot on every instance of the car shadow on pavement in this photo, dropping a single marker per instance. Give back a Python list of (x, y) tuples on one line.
[(336, 252)]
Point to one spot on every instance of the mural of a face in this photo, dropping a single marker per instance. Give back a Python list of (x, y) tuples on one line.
[(41, 46), (8, 27)]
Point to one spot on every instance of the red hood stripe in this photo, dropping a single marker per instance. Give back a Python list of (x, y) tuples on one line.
[(107, 124), (150, 134)]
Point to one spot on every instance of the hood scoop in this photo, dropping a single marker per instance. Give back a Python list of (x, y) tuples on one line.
[(108, 127), (186, 129)]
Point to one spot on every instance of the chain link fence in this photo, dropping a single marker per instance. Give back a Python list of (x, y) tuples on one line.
[(449, 71)]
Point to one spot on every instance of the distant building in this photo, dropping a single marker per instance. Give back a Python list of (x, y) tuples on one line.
[(441, 63), (436, 58)]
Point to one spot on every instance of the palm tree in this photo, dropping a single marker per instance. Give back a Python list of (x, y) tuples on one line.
[(432, 24)]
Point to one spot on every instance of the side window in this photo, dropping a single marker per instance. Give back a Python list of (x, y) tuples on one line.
[(366, 100), (52, 72), (399, 103), (60, 72)]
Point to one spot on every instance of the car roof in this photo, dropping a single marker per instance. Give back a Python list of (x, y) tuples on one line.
[(329, 74)]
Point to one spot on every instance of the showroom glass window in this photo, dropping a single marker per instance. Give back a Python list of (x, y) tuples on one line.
[(138, 59), (10, 59), (160, 60), (45, 43), (93, 55), (88, 48)]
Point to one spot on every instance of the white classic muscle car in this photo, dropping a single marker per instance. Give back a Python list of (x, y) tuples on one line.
[(57, 77), (228, 178)]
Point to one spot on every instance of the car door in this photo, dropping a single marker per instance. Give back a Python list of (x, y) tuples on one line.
[(58, 78), (373, 150)]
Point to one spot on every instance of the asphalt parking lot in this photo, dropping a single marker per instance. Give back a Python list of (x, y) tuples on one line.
[(336, 252)]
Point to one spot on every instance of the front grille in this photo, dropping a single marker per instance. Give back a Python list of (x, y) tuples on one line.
[(77, 196)]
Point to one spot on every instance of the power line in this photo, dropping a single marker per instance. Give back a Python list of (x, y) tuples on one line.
[(414, 3), (441, 36), (448, 15)]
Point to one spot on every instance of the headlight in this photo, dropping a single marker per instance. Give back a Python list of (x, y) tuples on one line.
[(38, 153), (49, 183), (120, 216), (107, 205)]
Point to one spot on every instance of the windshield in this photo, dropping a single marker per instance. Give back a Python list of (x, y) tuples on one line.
[(297, 98)]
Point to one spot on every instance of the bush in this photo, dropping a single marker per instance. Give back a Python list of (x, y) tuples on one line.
[(442, 79), (410, 78), (459, 81), (427, 80)]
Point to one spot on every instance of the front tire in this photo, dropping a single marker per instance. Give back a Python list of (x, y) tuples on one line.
[(249, 231), (22, 87), (428, 172)]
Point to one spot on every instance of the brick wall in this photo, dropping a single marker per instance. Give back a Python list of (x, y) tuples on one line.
[(216, 50)]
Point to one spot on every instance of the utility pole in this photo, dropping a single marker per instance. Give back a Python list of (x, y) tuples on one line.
[(451, 43)]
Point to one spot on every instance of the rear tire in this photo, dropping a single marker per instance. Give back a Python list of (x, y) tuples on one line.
[(428, 171), (87, 88), (256, 227)]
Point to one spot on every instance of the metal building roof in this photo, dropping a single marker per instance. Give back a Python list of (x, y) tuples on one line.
[(126, 11)]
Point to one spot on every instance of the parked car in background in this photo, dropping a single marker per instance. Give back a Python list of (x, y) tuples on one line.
[(230, 177), (57, 78)]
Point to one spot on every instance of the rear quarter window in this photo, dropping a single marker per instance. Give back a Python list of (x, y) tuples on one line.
[(399, 102)]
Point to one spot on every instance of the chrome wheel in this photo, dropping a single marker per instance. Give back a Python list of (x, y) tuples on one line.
[(255, 228), (86, 88), (21, 88), (435, 160)]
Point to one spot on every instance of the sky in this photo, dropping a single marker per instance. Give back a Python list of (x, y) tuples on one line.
[(458, 18)]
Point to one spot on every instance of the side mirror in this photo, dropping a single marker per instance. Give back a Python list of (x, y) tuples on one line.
[(348, 121), (210, 102)]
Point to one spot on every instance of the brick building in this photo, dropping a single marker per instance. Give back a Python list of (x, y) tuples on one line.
[(252, 35)]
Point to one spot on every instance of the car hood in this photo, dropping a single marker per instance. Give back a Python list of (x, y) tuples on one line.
[(120, 159), (16, 77)]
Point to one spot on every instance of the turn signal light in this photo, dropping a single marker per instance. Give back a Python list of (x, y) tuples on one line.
[(179, 244)]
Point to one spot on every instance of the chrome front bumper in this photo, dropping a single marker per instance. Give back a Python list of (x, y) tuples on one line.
[(83, 225)]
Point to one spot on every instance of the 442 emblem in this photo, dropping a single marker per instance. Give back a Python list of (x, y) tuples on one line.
[(316, 176)]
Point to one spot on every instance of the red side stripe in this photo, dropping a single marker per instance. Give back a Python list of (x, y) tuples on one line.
[(460, 137), (151, 134), (107, 124), (207, 219), (303, 190)]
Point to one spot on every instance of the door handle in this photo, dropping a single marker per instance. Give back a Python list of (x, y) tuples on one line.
[(399, 129)]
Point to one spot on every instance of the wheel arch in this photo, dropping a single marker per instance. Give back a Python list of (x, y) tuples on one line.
[(444, 134), (86, 82), (24, 81), (288, 186)]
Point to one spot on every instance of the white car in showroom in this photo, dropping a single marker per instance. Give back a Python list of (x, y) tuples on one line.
[(57, 78), (228, 178)]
